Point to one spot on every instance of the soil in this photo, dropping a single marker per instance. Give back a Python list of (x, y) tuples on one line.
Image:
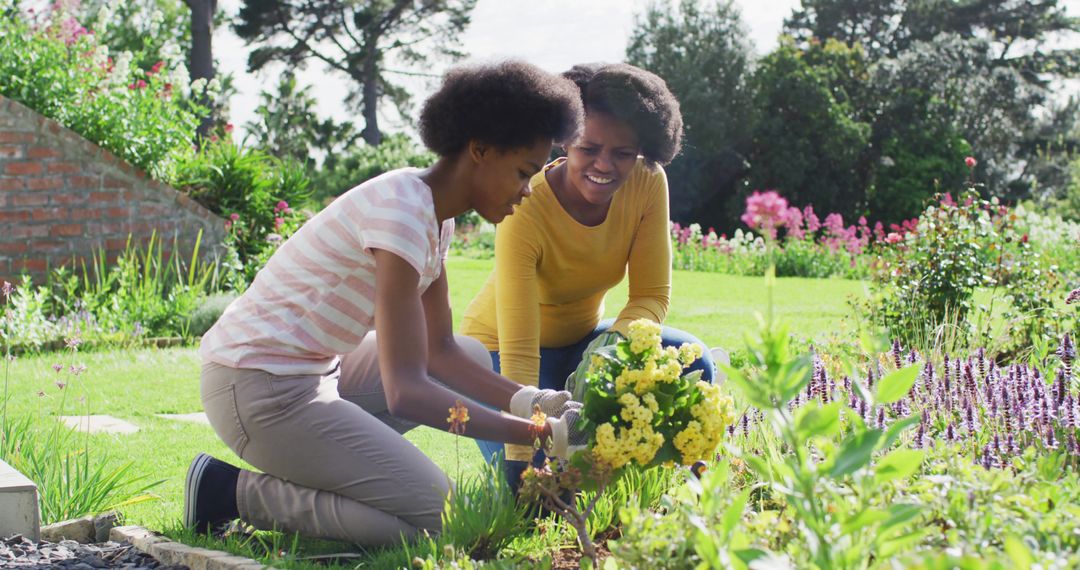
[(570, 558)]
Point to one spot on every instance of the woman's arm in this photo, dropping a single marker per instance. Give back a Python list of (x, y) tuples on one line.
[(517, 300), (649, 260), (403, 360), (449, 363)]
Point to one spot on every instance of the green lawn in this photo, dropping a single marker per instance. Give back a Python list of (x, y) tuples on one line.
[(137, 384)]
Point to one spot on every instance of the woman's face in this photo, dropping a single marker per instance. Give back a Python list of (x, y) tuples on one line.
[(602, 158), (502, 177)]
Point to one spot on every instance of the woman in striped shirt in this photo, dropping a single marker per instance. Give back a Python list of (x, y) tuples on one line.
[(293, 379)]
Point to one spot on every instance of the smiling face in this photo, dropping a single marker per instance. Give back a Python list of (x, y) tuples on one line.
[(501, 179), (602, 158)]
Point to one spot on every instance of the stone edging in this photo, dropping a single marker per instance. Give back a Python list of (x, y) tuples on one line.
[(170, 552)]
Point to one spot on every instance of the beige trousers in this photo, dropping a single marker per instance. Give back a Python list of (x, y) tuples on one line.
[(334, 462)]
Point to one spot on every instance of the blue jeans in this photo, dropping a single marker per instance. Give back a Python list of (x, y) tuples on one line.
[(558, 363)]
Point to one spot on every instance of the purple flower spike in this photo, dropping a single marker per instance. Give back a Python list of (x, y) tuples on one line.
[(1067, 353), (1073, 297), (987, 460), (1051, 438), (1010, 445), (896, 353)]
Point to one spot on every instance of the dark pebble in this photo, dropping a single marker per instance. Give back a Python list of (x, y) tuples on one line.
[(19, 552)]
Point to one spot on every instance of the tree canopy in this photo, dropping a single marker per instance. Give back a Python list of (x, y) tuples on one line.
[(367, 41)]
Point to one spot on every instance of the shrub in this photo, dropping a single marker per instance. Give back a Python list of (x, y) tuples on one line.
[(58, 69), (363, 162), (928, 280), (252, 191), (208, 312)]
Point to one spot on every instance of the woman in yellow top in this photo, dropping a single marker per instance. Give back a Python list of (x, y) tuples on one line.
[(593, 215)]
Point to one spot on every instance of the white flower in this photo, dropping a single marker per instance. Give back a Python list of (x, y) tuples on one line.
[(101, 56), (213, 88), (179, 78), (156, 19), (121, 72)]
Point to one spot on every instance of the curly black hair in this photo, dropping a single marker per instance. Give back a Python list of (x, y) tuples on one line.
[(637, 97), (510, 104)]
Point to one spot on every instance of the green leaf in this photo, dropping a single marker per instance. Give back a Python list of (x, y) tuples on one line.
[(748, 555), (759, 466), (891, 547), (899, 514), (1018, 552), (855, 452), (894, 430), (733, 514), (898, 464), (862, 520), (895, 385), (821, 421), (752, 391)]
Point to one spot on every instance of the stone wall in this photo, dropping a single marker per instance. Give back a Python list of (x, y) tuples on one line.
[(63, 199)]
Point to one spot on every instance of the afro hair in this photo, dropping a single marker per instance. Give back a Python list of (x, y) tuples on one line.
[(509, 104), (637, 97)]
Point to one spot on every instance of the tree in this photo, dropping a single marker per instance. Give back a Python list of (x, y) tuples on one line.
[(288, 126), (810, 142), (202, 53), (358, 39), (988, 67), (887, 28), (702, 53)]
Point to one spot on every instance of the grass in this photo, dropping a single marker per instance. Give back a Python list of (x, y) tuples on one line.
[(136, 385)]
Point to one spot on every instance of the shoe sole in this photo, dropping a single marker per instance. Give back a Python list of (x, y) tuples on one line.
[(191, 487)]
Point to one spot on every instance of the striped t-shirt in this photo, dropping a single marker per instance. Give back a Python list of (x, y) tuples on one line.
[(315, 299)]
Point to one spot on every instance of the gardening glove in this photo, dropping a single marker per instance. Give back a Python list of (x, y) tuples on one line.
[(566, 437), (575, 382), (525, 400)]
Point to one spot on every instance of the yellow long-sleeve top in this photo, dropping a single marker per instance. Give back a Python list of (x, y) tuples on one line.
[(552, 272)]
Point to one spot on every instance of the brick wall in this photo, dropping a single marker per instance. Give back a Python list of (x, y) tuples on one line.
[(63, 198)]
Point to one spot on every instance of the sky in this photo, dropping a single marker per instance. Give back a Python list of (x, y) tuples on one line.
[(554, 34)]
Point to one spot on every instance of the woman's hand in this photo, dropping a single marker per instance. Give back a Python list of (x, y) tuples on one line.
[(566, 437), (551, 402)]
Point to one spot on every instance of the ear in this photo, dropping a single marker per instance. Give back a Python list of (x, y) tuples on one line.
[(477, 151)]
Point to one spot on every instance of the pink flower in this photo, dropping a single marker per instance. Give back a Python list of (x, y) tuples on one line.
[(229, 129), (278, 222), (970, 162), (282, 207), (71, 30), (765, 212), (893, 237), (793, 219), (156, 68), (234, 217), (813, 224)]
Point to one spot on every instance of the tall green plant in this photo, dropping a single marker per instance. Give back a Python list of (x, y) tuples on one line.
[(258, 194)]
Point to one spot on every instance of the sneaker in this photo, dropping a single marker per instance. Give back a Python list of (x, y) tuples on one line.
[(210, 493)]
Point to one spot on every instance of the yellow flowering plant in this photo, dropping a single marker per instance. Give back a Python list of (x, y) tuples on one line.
[(641, 408)]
